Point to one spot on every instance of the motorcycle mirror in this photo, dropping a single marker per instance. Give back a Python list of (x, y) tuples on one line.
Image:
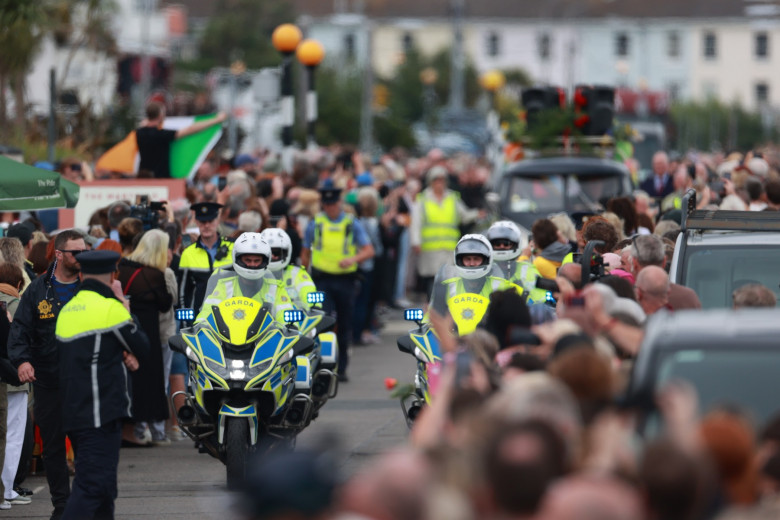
[(185, 314), (316, 297), (293, 316), (177, 344)]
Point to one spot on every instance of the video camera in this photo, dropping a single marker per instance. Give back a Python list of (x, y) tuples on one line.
[(147, 212), (592, 265)]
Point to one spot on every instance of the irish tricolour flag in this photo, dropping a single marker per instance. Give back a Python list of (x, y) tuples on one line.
[(187, 153)]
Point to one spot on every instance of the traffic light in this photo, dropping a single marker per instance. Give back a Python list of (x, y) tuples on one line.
[(594, 109), (539, 99)]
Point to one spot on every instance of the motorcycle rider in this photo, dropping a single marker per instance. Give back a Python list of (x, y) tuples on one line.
[(248, 277), (295, 280), (507, 242), (473, 273)]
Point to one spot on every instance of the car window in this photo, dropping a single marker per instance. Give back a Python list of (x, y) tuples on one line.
[(715, 272), (742, 378), (545, 194)]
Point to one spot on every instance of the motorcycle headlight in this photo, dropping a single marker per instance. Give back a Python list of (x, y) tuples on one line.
[(238, 375), (286, 357)]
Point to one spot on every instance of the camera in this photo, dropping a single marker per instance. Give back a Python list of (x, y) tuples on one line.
[(147, 212)]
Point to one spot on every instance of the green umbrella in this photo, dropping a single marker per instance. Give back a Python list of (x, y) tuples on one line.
[(25, 187)]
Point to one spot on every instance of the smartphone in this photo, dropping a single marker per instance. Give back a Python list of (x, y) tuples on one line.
[(221, 183), (462, 368)]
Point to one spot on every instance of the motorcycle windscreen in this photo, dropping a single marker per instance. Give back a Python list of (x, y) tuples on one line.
[(467, 311)]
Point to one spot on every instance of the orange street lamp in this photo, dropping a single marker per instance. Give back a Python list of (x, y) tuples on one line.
[(285, 39), (311, 53), (493, 81)]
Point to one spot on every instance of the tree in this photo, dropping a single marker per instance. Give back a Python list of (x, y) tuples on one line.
[(241, 29), (22, 27), (338, 112)]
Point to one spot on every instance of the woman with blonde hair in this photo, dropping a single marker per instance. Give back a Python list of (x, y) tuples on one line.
[(143, 282)]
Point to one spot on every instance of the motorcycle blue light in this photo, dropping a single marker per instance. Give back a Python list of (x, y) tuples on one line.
[(293, 316), (315, 297), (185, 314), (413, 314)]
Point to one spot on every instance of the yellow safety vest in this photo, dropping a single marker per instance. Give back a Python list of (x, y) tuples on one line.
[(298, 285), (196, 265), (440, 223), (333, 242), (467, 309), (271, 292)]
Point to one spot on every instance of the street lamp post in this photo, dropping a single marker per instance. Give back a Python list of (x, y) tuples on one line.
[(492, 82), (285, 39), (237, 68), (310, 53), (428, 77)]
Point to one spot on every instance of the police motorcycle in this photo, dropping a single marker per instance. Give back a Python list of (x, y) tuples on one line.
[(242, 395), (316, 370), (463, 291)]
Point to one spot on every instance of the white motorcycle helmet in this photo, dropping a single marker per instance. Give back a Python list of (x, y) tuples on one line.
[(278, 239), (505, 230), (473, 244), (250, 244)]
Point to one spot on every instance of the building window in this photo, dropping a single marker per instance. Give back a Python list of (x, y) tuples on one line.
[(762, 45), (544, 46), (349, 46), (710, 46), (407, 42), (673, 44), (493, 45), (621, 44), (762, 93), (674, 92)]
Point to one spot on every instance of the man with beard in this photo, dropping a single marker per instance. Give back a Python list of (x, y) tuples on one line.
[(32, 350)]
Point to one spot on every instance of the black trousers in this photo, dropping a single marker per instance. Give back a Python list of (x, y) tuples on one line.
[(340, 295), (97, 463), (47, 408)]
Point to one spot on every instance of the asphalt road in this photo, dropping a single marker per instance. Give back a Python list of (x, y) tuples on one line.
[(176, 482)]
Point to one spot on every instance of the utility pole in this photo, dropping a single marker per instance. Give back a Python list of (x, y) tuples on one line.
[(457, 94), (146, 73), (367, 102), (52, 129)]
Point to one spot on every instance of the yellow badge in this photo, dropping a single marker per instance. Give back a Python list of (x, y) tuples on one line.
[(44, 307)]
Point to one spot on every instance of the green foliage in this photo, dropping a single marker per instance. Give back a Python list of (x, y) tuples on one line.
[(714, 124), (241, 29), (390, 132), (339, 97)]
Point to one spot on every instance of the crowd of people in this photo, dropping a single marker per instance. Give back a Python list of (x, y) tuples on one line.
[(533, 431)]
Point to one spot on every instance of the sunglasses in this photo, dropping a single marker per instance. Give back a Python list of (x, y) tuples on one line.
[(74, 252)]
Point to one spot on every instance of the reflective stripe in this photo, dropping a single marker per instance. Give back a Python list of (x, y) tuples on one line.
[(228, 289), (95, 390)]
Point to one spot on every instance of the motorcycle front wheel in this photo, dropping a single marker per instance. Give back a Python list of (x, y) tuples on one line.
[(236, 450)]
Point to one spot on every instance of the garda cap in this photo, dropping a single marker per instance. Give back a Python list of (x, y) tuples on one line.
[(330, 195), (206, 211), (98, 262)]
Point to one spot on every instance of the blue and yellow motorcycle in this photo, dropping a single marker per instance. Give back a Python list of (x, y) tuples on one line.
[(242, 390)]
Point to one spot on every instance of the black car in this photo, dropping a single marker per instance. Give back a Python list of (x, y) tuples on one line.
[(535, 188), (731, 358)]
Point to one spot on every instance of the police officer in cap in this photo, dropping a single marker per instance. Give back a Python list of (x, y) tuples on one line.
[(97, 339), (334, 244), (201, 258)]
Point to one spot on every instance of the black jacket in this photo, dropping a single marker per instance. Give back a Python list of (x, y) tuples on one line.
[(32, 332), (93, 331)]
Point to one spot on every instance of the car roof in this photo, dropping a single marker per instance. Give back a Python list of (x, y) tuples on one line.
[(566, 166), (742, 238)]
